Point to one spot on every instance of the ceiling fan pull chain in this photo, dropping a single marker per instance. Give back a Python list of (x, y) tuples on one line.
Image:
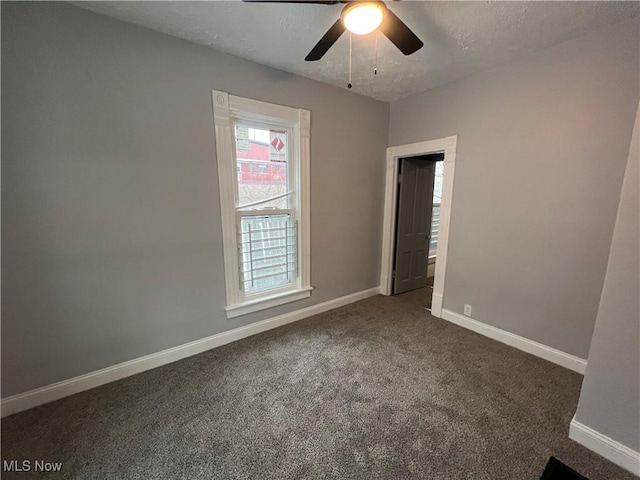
[(375, 66), (349, 85)]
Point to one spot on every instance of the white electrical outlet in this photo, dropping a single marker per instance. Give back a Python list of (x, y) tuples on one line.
[(467, 310)]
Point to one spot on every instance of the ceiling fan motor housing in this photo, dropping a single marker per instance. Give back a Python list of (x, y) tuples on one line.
[(362, 18)]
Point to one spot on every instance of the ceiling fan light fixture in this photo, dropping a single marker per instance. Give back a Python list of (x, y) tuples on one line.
[(363, 17)]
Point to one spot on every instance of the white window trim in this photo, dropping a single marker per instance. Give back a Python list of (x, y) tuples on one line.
[(227, 109)]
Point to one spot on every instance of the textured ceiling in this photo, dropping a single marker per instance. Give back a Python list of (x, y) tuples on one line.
[(460, 37)]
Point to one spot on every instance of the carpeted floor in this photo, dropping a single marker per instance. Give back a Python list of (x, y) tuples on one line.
[(375, 390)]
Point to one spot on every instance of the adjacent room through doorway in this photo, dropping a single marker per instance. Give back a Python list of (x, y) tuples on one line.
[(441, 154), (419, 197)]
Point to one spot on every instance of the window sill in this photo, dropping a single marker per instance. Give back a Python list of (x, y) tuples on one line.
[(267, 301)]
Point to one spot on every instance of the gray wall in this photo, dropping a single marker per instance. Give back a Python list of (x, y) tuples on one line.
[(610, 398), (542, 147), (111, 235)]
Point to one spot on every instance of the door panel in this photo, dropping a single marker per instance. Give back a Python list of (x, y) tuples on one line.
[(415, 202)]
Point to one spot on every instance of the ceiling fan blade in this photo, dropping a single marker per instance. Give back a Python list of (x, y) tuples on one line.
[(400, 35), (325, 42)]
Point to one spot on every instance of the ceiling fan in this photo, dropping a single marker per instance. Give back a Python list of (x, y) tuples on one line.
[(361, 18)]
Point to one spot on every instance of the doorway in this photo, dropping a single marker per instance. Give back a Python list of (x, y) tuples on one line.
[(418, 202), (447, 148)]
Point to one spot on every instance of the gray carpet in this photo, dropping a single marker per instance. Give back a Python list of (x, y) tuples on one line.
[(374, 390)]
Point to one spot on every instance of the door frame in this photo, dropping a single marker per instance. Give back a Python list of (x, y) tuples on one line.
[(447, 146)]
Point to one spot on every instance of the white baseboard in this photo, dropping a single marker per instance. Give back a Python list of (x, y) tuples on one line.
[(605, 446), (55, 391), (558, 357)]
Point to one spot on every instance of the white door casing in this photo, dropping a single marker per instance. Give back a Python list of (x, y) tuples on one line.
[(447, 146)]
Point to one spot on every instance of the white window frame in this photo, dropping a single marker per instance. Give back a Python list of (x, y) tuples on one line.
[(227, 110)]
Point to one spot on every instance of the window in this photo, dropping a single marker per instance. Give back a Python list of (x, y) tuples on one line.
[(263, 164), (258, 168), (435, 215)]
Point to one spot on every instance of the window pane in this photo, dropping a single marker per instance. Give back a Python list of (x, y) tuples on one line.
[(261, 163), (268, 252), (437, 183), (437, 199), (435, 224)]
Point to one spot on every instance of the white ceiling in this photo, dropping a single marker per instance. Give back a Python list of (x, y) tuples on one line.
[(460, 37)]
